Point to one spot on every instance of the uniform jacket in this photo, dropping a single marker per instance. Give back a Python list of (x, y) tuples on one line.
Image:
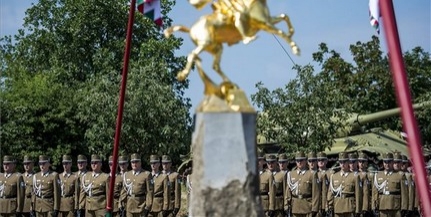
[(267, 190), (138, 191), (324, 184), (118, 185), (161, 196), (175, 190), (81, 200), (28, 182), (94, 190), (12, 190), (46, 189), (345, 192), (389, 191), (366, 178), (69, 191), (303, 192), (280, 189), (411, 190)]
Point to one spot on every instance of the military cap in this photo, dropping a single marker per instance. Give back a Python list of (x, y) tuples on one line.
[(353, 156), (96, 157), (398, 157), (111, 159), (270, 158), (405, 159), (66, 159), (43, 159), (135, 157), (154, 158), (343, 156), (8, 159), (388, 156), (322, 155), (312, 156), (300, 155), (260, 155), (82, 158), (123, 159), (27, 159), (282, 158), (363, 156), (166, 159)]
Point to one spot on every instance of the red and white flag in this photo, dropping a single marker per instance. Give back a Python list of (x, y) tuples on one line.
[(151, 9), (374, 14)]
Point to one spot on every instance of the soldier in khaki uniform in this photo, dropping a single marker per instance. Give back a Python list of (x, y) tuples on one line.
[(398, 168), (312, 161), (345, 190), (412, 188), (322, 174), (94, 189), (28, 181), (283, 162), (69, 189), (303, 192), (82, 170), (366, 178), (279, 186), (161, 195), (46, 188), (117, 189), (266, 187), (137, 189), (175, 186), (12, 189), (389, 194), (123, 163)]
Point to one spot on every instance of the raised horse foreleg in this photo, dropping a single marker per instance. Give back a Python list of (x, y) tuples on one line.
[(287, 37)]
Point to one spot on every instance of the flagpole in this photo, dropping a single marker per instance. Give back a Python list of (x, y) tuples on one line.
[(404, 100), (109, 202)]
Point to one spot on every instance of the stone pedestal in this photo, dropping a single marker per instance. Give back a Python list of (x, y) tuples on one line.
[(225, 179)]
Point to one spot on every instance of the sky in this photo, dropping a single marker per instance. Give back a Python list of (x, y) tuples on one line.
[(338, 23)]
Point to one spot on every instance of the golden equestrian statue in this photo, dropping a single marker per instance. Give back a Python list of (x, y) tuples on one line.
[(231, 21)]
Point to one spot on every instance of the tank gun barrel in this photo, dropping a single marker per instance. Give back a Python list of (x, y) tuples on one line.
[(358, 120)]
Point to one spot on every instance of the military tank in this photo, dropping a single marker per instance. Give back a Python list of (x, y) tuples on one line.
[(354, 136)]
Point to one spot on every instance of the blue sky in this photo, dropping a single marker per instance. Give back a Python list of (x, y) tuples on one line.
[(338, 23)]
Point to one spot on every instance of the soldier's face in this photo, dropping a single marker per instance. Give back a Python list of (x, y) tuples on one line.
[(111, 164), (322, 163), (28, 166), (82, 165), (300, 163), (271, 165), (8, 167), (362, 164), (353, 165), (397, 165), (166, 166), (67, 166), (123, 166), (312, 163), (404, 166), (282, 165), (136, 164), (344, 165), (44, 166), (96, 166), (388, 164), (155, 166)]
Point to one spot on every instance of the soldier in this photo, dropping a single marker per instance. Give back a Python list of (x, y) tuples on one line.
[(82, 170), (412, 188), (312, 161), (322, 174), (46, 188), (28, 181), (283, 162), (12, 189), (389, 194), (398, 166), (137, 189), (280, 185), (345, 190), (94, 189), (366, 179), (303, 192), (175, 186), (116, 211), (160, 182), (267, 187), (69, 188), (260, 163), (123, 162)]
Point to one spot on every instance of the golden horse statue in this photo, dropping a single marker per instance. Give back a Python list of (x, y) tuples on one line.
[(232, 21)]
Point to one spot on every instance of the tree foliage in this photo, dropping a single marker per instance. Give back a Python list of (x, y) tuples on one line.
[(310, 102), (61, 78)]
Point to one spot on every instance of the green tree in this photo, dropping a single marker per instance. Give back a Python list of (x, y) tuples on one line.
[(61, 76), (364, 86)]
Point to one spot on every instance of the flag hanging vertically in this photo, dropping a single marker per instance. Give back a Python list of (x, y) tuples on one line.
[(374, 14), (152, 10)]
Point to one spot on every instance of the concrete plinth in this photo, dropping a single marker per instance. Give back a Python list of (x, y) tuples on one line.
[(225, 179)]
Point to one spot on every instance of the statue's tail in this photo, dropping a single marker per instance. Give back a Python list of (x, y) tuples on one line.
[(168, 32)]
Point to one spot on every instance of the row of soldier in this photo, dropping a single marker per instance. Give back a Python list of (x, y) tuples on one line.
[(84, 193), (314, 190)]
